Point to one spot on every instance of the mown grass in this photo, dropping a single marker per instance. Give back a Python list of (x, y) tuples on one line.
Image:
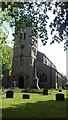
[(38, 106)]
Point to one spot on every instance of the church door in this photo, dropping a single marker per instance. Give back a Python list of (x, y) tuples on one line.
[(21, 82)]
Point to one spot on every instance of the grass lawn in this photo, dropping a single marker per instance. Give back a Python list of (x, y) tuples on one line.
[(38, 106)]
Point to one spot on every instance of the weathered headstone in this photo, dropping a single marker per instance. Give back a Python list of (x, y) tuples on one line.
[(9, 94), (60, 90), (60, 97), (45, 91), (26, 96)]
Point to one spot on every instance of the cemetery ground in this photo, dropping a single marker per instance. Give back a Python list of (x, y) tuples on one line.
[(38, 106)]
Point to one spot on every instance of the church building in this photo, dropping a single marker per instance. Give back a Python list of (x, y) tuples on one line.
[(31, 68)]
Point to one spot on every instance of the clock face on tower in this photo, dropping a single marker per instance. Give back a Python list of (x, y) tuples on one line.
[(22, 46)]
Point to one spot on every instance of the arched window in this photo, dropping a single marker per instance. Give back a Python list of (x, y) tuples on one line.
[(21, 58), (24, 35), (40, 78), (43, 78), (20, 35)]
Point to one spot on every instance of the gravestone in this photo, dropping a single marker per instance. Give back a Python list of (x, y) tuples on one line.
[(60, 90), (45, 91), (60, 97), (9, 94), (26, 96)]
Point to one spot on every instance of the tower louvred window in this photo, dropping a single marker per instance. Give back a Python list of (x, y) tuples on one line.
[(24, 35), (21, 58)]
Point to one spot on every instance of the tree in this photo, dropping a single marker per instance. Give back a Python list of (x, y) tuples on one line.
[(17, 14), (7, 55), (6, 52)]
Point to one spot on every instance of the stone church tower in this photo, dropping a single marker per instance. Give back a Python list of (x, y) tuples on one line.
[(24, 60)]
